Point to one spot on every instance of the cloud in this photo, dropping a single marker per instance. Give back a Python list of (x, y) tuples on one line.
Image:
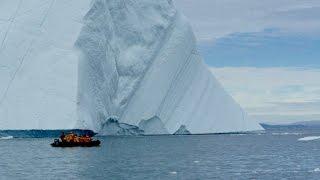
[(213, 19), (271, 94)]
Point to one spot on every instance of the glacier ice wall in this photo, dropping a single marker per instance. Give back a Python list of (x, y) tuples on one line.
[(113, 66), (138, 64)]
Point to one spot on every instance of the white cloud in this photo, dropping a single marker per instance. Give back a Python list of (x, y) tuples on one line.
[(273, 94), (212, 19)]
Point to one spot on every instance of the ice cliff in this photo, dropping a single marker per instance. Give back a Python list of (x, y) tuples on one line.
[(113, 66)]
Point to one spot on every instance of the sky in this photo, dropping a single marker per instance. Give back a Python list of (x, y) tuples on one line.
[(265, 53)]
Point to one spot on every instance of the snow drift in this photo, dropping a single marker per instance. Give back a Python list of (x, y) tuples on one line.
[(128, 67)]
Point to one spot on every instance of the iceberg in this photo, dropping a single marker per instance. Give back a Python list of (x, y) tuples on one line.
[(118, 67)]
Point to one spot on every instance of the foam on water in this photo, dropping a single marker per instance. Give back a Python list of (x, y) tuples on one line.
[(309, 138)]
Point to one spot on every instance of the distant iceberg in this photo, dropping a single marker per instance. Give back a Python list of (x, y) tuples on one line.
[(112, 66)]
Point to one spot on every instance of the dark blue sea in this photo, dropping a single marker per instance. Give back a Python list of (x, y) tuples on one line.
[(269, 155)]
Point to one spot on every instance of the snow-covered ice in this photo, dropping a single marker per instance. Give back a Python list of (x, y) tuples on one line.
[(113, 66)]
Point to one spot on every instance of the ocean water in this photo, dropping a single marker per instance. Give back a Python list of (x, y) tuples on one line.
[(270, 155)]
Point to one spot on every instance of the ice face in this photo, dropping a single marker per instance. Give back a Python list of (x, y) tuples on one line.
[(113, 66), (117, 45), (139, 65)]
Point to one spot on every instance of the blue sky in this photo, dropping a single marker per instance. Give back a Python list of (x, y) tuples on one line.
[(266, 54), (262, 49)]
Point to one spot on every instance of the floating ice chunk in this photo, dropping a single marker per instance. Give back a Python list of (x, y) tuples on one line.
[(238, 134), (6, 137), (316, 170), (309, 138), (286, 133)]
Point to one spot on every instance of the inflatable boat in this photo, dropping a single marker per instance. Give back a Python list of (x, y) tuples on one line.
[(58, 143)]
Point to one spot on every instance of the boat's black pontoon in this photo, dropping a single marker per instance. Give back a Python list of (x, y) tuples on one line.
[(58, 143)]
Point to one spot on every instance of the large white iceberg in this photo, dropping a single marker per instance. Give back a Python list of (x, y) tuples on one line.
[(113, 66)]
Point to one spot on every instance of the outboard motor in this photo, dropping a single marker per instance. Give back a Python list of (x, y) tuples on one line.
[(56, 141)]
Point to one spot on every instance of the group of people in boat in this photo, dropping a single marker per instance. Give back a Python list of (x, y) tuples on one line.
[(74, 138)]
